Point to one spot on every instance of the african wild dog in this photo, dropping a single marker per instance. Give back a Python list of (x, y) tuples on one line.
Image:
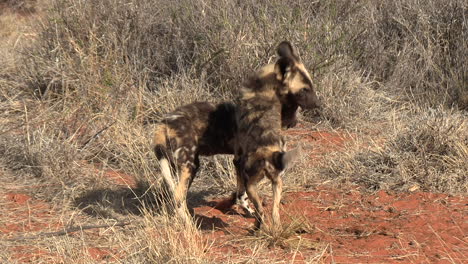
[(199, 128), (206, 129), (260, 150)]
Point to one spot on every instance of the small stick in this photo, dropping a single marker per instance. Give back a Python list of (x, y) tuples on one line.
[(66, 231), (26, 121), (96, 135)]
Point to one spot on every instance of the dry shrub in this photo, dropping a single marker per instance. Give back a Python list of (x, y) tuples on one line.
[(350, 101), (429, 154), (149, 239), (55, 165)]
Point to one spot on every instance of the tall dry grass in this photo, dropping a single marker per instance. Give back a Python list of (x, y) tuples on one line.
[(427, 151), (84, 83)]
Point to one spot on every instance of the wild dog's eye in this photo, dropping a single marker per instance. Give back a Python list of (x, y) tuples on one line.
[(305, 90)]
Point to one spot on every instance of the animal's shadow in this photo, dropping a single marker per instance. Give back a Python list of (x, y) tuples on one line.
[(114, 201)]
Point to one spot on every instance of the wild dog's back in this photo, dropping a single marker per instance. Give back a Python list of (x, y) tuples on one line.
[(181, 129), (218, 137), (200, 128)]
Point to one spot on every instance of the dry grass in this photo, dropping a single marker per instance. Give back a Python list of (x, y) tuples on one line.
[(81, 88), (287, 235), (19, 6), (427, 151)]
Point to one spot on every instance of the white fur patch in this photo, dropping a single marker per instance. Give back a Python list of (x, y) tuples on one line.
[(176, 153), (166, 173), (183, 213), (244, 203), (172, 117)]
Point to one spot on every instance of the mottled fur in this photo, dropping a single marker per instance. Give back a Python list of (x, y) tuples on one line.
[(260, 150), (199, 128), (203, 128)]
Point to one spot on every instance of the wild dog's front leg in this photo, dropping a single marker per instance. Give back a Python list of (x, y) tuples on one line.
[(277, 186), (252, 192), (240, 196)]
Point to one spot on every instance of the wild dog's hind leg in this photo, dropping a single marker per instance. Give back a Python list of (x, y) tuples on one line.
[(188, 164)]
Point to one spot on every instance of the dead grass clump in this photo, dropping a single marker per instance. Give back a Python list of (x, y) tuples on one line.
[(167, 240), (108, 46), (417, 49), (148, 239), (350, 101), (49, 162), (428, 152), (287, 235)]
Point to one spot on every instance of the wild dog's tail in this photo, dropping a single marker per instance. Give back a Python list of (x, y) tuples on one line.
[(160, 149), (283, 160), (166, 172)]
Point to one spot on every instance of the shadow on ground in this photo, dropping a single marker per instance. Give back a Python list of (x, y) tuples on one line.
[(124, 200)]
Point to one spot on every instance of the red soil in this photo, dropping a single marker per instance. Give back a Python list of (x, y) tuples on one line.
[(317, 143), (352, 227), (21, 214), (25, 214), (120, 178), (100, 253), (331, 226)]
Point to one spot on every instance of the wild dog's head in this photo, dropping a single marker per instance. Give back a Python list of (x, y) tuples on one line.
[(287, 80), (273, 159), (296, 83)]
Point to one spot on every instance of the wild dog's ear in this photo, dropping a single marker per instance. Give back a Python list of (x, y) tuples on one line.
[(285, 64), (252, 82), (283, 160), (283, 68), (286, 50)]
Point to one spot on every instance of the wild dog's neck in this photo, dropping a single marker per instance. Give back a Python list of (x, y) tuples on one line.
[(263, 85), (268, 95)]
